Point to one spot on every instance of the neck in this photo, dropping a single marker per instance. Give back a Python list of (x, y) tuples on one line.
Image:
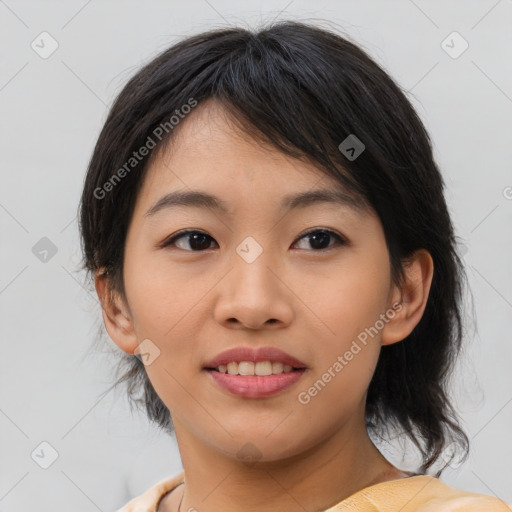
[(315, 479)]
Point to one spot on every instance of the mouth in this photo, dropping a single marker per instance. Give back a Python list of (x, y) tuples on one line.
[(249, 372)]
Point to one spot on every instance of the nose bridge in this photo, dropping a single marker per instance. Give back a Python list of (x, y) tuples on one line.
[(252, 293), (252, 263)]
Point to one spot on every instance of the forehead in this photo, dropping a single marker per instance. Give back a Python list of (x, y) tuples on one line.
[(210, 135), (209, 157)]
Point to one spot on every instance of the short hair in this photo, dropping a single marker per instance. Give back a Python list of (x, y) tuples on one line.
[(303, 89)]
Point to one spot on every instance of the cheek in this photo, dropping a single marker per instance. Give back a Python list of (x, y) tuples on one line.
[(160, 295), (337, 390), (349, 304), (346, 359), (164, 303), (350, 299)]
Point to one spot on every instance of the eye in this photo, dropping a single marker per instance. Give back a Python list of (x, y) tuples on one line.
[(198, 241), (195, 239), (319, 239)]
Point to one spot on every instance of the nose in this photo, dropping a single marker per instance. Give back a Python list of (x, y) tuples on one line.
[(254, 296)]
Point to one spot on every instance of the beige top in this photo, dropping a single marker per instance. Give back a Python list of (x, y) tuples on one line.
[(414, 494)]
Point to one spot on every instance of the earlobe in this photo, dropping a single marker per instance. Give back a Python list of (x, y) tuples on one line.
[(116, 317), (414, 292)]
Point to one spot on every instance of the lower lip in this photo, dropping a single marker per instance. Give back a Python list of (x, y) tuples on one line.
[(255, 386)]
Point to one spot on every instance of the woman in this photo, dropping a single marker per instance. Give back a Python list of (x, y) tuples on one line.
[(272, 249)]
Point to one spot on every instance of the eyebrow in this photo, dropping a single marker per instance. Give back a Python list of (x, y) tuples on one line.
[(199, 199)]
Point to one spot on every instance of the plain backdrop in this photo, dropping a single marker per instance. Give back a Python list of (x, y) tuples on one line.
[(99, 454)]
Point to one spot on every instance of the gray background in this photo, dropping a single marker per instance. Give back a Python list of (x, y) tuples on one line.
[(51, 112)]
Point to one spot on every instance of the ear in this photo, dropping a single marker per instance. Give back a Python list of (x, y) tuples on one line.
[(116, 314), (410, 299)]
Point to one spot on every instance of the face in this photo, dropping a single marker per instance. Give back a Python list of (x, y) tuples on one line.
[(310, 280)]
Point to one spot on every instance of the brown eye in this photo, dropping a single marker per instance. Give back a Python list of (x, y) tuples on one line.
[(319, 239), (196, 241)]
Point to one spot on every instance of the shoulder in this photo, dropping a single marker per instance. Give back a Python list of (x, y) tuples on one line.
[(445, 498), (457, 500), (148, 500), (468, 503), (420, 493)]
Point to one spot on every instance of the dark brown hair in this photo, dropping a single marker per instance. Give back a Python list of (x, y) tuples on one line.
[(303, 89)]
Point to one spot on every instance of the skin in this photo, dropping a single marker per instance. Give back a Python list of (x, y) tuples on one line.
[(193, 305)]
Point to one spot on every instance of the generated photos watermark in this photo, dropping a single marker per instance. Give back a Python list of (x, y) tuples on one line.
[(304, 397), (137, 156)]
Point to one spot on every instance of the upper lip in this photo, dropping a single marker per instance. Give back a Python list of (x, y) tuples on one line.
[(254, 354)]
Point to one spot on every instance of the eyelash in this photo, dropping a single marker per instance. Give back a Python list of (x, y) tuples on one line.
[(340, 240)]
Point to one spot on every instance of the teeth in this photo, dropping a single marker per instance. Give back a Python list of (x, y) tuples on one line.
[(232, 368), (261, 368), (277, 367), (246, 368)]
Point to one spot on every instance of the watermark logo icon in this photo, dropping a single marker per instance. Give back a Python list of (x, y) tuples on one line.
[(44, 45), (450, 456), (249, 453), (454, 45), (249, 250), (147, 352), (44, 455), (462, 248), (351, 147), (44, 250)]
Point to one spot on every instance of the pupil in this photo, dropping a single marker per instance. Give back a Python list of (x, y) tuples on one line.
[(320, 237), (198, 240)]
